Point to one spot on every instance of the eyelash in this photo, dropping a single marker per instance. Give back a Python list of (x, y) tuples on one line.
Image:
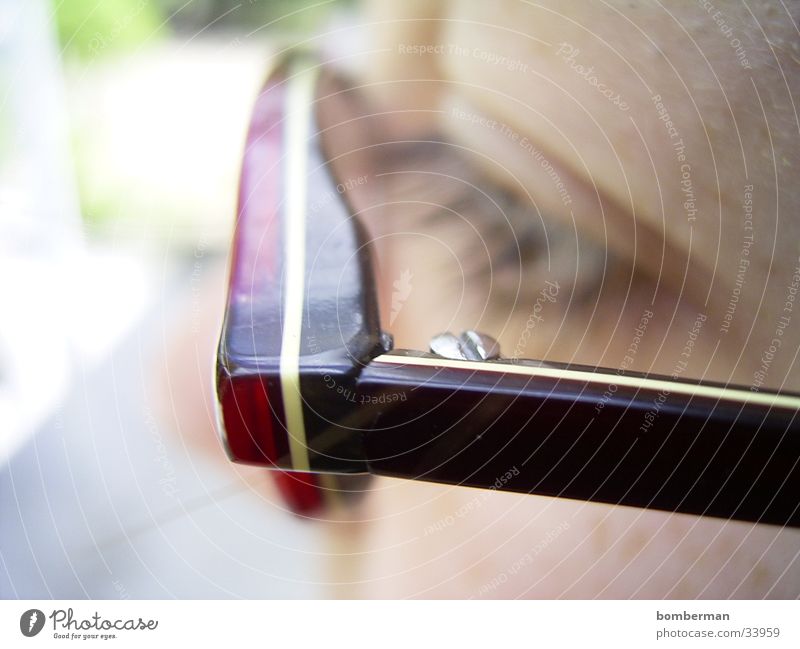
[(500, 241)]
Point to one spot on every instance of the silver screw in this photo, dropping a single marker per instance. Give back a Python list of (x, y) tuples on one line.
[(469, 346)]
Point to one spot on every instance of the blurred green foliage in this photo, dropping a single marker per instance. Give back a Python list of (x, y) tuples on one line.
[(119, 179), (91, 28), (244, 16)]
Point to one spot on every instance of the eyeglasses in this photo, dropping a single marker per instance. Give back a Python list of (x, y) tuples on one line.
[(308, 383)]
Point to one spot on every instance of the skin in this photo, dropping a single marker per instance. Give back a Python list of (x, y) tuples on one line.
[(623, 176), (624, 244)]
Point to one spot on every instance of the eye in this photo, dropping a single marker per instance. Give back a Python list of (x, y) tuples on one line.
[(501, 245)]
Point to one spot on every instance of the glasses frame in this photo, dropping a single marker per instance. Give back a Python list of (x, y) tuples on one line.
[(310, 386)]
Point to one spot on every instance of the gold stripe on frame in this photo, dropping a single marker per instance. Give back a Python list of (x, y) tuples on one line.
[(738, 395), (299, 98)]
